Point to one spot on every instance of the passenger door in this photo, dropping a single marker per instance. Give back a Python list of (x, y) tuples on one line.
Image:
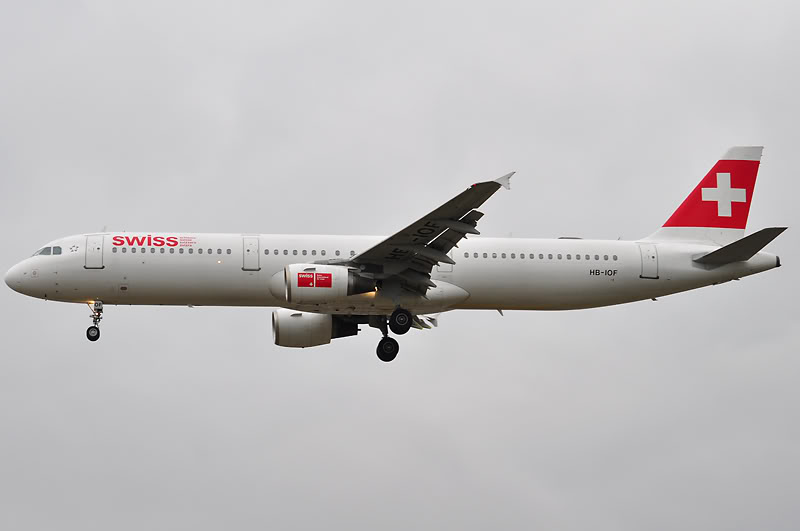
[(94, 252), (250, 253), (649, 260)]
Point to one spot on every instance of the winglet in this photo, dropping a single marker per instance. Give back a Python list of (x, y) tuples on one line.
[(505, 180)]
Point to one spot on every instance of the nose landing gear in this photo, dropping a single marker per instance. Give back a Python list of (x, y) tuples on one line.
[(93, 332)]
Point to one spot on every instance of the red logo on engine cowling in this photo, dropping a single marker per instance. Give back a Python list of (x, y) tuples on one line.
[(324, 280), (305, 280)]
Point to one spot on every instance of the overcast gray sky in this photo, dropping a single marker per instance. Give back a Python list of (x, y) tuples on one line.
[(356, 118)]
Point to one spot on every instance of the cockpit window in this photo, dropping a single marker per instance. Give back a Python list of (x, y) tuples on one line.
[(47, 251)]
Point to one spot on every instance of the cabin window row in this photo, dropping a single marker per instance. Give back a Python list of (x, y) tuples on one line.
[(191, 250), (550, 256), (163, 250), (304, 252)]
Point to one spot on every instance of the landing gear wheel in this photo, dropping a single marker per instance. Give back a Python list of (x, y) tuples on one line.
[(388, 349), (93, 333), (400, 321)]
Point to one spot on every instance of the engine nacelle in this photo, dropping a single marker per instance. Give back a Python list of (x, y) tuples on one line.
[(292, 328), (319, 284)]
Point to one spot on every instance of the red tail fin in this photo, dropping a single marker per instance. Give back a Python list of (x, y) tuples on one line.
[(722, 199), (718, 207)]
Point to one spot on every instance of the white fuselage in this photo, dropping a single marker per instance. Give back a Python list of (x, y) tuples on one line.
[(489, 273)]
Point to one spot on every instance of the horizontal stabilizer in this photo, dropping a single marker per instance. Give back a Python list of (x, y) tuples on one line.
[(741, 250)]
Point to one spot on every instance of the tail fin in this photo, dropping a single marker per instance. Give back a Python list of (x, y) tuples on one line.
[(717, 209)]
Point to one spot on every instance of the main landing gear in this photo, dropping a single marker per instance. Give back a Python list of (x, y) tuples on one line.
[(93, 332), (399, 322), (388, 349)]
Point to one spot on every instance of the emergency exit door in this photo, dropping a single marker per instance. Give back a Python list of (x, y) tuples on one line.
[(649, 260), (250, 253), (94, 252)]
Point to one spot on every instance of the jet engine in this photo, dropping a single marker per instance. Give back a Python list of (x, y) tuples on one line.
[(318, 284), (292, 328)]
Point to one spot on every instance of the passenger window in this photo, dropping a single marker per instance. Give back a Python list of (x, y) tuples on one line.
[(162, 250), (577, 257), (113, 249), (522, 255), (219, 251), (597, 257), (569, 257), (466, 255), (503, 255), (200, 251), (513, 255), (191, 250), (559, 256), (56, 250), (337, 253), (285, 252), (322, 252), (605, 257), (485, 255), (133, 249), (142, 249), (494, 255), (294, 252), (614, 257), (550, 256), (211, 251), (588, 257), (171, 250), (228, 251), (180, 251), (313, 252), (352, 253), (124, 249), (474, 255), (152, 250), (305, 252)]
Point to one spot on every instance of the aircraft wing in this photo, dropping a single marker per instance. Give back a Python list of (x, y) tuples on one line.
[(409, 255)]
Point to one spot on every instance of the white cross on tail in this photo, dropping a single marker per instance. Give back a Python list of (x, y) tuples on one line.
[(724, 195)]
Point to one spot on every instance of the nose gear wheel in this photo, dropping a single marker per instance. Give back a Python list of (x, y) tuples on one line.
[(93, 332)]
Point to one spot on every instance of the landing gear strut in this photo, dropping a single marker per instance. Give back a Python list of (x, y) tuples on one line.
[(93, 332)]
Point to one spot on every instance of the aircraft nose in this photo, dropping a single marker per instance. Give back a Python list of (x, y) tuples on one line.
[(13, 278)]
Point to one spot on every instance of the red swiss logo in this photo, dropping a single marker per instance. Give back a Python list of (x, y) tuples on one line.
[(305, 280), (314, 280)]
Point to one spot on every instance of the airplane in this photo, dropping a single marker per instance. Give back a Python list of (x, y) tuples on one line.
[(324, 287)]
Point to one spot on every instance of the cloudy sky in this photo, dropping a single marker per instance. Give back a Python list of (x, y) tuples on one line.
[(357, 118)]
